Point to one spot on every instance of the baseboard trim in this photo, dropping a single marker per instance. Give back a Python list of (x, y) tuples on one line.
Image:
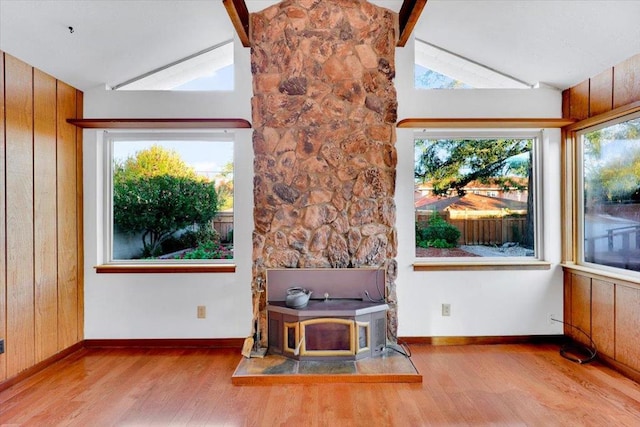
[(40, 366), (166, 343), (483, 340), (620, 367)]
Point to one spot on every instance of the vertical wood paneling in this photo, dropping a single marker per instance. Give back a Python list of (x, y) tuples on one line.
[(626, 81), (45, 224), (19, 215), (579, 96), (603, 316), (3, 269), (601, 93), (628, 326), (80, 216), (581, 307), (38, 318), (67, 220), (568, 278)]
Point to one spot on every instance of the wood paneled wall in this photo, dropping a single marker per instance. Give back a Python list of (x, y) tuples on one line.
[(613, 88), (41, 298), (606, 308), (608, 311)]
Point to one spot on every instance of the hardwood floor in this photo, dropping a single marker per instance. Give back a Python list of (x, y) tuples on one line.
[(517, 384)]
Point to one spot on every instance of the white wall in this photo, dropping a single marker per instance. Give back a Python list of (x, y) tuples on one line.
[(483, 303), (164, 305)]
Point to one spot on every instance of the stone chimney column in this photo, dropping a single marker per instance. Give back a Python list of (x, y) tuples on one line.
[(324, 113)]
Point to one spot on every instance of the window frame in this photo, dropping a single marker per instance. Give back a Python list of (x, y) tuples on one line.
[(536, 262), (576, 137), (111, 265)]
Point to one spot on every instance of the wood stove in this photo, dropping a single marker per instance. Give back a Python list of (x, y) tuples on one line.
[(345, 319)]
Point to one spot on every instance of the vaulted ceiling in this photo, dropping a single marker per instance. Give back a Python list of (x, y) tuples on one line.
[(554, 42)]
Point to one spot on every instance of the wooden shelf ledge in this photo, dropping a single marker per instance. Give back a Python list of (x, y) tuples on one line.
[(484, 123), (160, 123)]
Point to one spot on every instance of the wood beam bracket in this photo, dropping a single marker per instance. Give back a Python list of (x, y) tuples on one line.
[(239, 14), (408, 18)]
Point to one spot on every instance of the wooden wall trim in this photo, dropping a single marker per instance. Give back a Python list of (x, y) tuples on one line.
[(5, 384), (167, 343), (482, 340), (169, 123), (80, 215), (483, 123)]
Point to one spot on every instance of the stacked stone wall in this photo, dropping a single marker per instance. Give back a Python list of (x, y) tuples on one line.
[(324, 112)]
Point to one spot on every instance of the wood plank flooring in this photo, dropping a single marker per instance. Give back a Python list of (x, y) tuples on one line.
[(517, 384)]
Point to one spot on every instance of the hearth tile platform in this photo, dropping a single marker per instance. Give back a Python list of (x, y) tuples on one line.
[(390, 367)]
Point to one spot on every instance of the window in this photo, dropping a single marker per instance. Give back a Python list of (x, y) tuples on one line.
[(426, 78), (169, 197), (209, 69), (476, 196), (609, 213), (438, 68)]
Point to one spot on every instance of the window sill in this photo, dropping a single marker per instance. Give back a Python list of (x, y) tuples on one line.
[(439, 265), (166, 268), (600, 274)]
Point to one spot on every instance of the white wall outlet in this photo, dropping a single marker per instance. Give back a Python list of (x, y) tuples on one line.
[(446, 309), (202, 312), (551, 320)]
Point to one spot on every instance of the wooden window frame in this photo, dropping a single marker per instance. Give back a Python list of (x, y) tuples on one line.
[(570, 178)]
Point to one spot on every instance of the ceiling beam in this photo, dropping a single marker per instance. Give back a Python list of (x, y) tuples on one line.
[(408, 18), (239, 14)]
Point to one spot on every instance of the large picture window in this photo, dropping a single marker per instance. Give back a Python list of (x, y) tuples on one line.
[(169, 197), (475, 196), (609, 211)]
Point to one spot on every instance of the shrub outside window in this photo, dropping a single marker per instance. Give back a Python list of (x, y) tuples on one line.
[(475, 196), (169, 197), (609, 211)]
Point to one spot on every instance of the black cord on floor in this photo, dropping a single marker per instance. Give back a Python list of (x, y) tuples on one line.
[(403, 350), (568, 351)]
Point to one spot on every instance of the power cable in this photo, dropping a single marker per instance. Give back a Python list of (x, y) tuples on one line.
[(568, 351)]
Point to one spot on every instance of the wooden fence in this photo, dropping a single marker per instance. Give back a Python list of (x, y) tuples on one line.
[(483, 231), (223, 224)]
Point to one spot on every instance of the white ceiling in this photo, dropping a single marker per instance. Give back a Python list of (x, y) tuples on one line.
[(555, 42)]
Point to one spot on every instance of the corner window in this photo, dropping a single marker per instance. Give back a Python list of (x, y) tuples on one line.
[(609, 211), (169, 197), (475, 196)]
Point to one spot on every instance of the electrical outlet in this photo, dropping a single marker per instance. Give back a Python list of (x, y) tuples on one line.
[(551, 318), (446, 309), (202, 312)]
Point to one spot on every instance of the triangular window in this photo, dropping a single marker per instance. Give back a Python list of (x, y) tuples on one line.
[(438, 68), (207, 70)]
